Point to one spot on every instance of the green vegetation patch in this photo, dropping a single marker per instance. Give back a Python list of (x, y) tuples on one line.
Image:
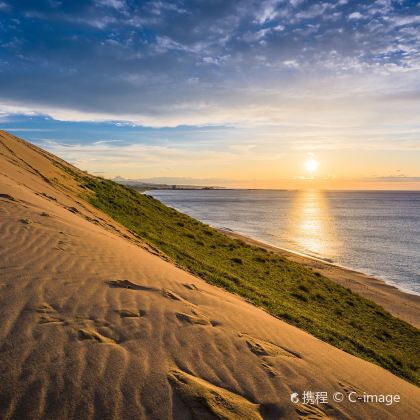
[(285, 289)]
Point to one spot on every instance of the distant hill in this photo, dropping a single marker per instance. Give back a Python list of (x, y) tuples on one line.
[(140, 185)]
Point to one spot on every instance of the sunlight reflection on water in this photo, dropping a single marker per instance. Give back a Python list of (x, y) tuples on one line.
[(311, 224)]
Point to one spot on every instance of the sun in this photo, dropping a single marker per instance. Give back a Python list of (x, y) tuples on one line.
[(311, 165)]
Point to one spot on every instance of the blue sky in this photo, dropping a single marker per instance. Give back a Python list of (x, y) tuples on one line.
[(216, 89)]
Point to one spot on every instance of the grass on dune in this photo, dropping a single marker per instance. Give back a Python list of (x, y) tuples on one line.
[(285, 289)]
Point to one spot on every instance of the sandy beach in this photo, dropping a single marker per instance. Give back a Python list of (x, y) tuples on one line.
[(95, 325), (403, 305)]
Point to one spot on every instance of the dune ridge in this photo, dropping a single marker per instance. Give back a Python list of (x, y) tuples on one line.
[(71, 283)]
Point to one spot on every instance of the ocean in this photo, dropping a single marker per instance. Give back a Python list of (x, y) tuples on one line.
[(374, 232)]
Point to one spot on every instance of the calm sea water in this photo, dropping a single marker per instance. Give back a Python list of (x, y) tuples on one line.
[(374, 232)]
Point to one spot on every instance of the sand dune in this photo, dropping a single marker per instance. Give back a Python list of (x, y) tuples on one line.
[(94, 326)]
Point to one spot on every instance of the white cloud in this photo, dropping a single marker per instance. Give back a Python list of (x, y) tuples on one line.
[(114, 4), (217, 61), (314, 11), (267, 11), (405, 20), (292, 64), (355, 16)]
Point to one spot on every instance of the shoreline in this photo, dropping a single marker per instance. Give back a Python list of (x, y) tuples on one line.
[(400, 303), (335, 264)]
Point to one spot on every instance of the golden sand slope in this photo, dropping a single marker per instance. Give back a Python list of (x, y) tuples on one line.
[(94, 326)]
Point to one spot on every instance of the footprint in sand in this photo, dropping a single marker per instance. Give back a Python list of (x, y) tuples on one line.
[(264, 348), (48, 314), (50, 319), (8, 197), (94, 329), (49, 197), (92, 220), (271, 371), (310, 412), (190, 286), (350, 388), (126, 284), (195, 319), (128, 313), (92, 334), (208, 401), (86, 328), (172, 295), (169, 294), (45, 308)]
